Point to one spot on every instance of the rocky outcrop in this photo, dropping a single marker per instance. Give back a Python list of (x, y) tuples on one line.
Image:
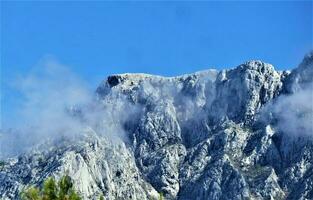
[(196, 136)]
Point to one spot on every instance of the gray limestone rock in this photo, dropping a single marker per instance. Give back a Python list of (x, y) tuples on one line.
[(208, 135)]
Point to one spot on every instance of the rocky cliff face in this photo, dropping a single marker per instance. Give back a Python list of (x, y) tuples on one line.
[(208, 135)]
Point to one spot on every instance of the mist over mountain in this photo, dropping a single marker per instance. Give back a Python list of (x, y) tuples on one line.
[(241, 133)]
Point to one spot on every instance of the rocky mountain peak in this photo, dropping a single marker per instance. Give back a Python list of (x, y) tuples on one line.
[(195, 136), (242, 91), (302, 76)]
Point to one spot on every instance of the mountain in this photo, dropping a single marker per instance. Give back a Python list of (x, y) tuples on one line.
[(241, 133)]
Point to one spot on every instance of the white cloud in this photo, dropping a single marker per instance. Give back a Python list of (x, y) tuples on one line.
[(56, 104), (294, 112)]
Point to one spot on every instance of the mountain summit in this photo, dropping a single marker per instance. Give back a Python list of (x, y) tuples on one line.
[(241, 133)]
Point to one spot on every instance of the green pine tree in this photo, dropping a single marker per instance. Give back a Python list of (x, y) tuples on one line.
[(73, 196), (66, 187), (51, 191), (101, 197), (31, 193), (160, 196)]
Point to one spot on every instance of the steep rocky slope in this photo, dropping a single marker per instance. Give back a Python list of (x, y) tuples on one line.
[(208, 135)]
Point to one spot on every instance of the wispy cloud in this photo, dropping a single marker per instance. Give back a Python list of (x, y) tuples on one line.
[(293, 113), (56, 104)]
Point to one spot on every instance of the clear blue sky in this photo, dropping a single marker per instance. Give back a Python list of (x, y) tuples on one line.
[(167, 38)]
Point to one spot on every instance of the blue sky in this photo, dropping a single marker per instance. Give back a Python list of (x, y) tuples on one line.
[(96, 39)]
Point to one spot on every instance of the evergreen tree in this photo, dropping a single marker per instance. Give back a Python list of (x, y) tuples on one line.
[(51, 191), (73, 196), (161, 196), (31, 193), (66, 187)]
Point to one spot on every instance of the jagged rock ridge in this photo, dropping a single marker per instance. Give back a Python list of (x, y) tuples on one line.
[(196, 136)]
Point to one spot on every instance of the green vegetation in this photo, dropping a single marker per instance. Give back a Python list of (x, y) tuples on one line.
[(161, 196), (52, 191)]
